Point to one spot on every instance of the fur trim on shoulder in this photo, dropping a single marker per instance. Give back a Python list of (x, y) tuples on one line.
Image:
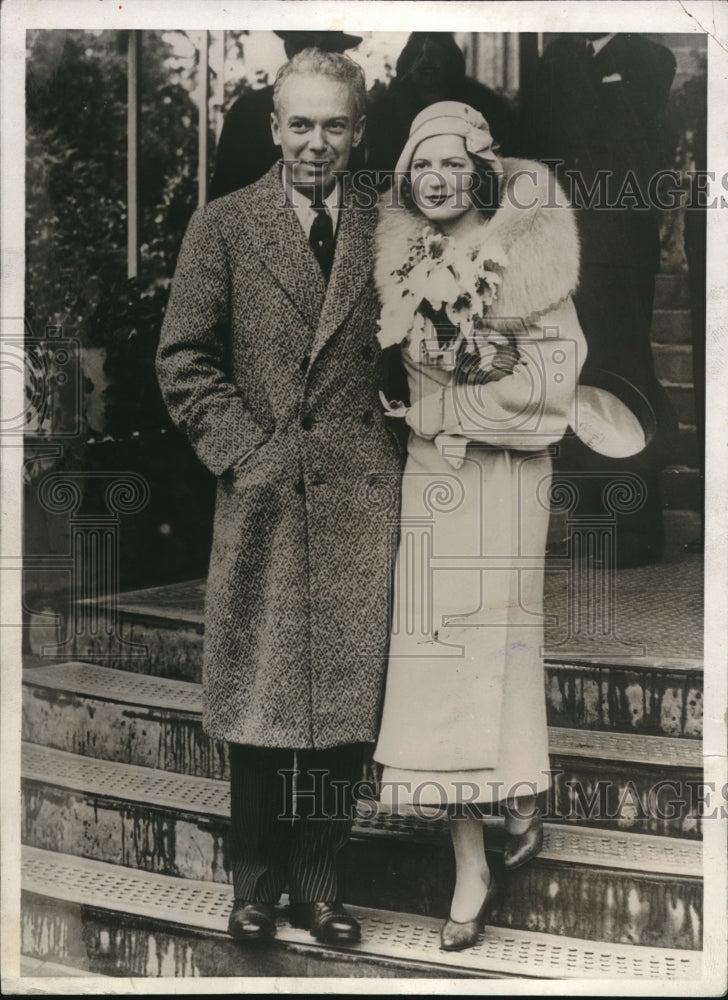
[(535, 225), (396, 229)]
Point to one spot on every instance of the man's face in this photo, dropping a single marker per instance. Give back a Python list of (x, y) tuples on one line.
[(316, 128)]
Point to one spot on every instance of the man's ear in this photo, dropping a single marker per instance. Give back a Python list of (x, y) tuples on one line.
[(275, 129), (359, 131)]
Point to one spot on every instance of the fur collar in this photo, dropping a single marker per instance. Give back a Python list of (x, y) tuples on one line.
[(535, 226)]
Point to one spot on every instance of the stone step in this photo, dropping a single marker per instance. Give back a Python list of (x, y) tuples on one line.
[(682, 398), (674, 363), (121, 716), (657, 613), (156, 722), (130, 923), (189, 794), (671, 291), (586, 880), (671, 326), (645, 785), (687, 447)]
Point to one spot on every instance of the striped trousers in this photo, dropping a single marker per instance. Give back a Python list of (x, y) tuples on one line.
[(288, 827)]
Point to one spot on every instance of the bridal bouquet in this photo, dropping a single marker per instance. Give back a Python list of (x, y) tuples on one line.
[(466, 285)]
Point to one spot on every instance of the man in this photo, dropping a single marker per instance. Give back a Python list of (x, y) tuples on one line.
[(598, 106), (246, 149), (269, 362)]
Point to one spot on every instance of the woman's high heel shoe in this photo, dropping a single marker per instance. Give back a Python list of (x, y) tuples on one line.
[(521, 847), (456, 935)]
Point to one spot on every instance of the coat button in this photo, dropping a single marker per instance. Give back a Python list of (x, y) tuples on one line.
[(317, 479), (367, 417), (367, 353), (306, 421)]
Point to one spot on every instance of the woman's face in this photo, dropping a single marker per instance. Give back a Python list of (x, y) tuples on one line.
[(441, 175)]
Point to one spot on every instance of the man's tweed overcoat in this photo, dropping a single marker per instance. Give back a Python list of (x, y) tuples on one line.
[(258, 358)]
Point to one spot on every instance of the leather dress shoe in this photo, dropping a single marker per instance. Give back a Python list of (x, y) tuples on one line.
[(458, 934), (252, 921), (521, 847), (328, 922)]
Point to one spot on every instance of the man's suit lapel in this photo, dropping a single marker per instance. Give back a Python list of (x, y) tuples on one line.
[(285, 251), (350, 272)]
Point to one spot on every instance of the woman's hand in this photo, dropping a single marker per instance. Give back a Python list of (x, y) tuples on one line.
[(532, 406)]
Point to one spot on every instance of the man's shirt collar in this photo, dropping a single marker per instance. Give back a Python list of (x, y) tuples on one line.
[(301, 204)]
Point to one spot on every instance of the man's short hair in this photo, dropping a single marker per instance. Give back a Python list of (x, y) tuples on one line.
[(334, 65)]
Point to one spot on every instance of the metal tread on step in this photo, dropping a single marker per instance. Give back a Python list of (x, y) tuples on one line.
[(106, 683), (573, 844), (660, 751), (126, 782), (637, 665), (204, 906), (643, 853)]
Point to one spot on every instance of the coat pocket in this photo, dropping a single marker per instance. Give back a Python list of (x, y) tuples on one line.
[(237, 474)]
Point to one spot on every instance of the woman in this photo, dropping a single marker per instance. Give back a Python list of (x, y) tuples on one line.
[(476, 263)]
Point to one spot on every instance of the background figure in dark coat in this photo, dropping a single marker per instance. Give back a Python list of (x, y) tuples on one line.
[(430, 68), (598, 105), (246, 150)]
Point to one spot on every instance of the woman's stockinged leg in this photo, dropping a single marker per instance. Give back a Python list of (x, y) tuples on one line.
[(472, 875)]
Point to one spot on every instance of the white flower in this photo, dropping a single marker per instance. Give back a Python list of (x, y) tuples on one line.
[(395, 319), (442, 287), (418, 279), (466, 287), (386, 334)]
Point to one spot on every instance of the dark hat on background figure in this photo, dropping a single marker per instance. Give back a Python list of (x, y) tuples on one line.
[(436, 51), (329, 41)]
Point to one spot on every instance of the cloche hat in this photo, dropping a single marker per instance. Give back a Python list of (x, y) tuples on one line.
[(449, 118)]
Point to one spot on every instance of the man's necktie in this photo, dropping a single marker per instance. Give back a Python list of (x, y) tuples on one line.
[(321, 240)]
